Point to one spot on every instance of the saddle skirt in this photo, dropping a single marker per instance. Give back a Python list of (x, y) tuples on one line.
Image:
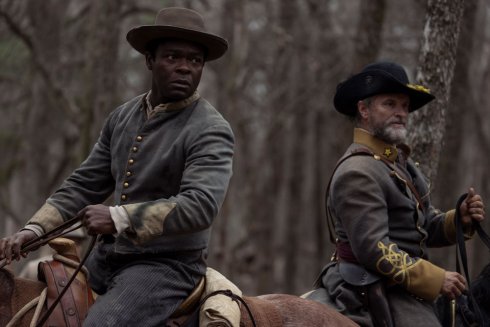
[(73, 306)]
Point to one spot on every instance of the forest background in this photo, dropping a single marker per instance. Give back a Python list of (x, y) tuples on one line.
[(65, 64)]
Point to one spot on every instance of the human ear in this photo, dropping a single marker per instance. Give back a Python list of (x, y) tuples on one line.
[(149, 61), (363, 109)]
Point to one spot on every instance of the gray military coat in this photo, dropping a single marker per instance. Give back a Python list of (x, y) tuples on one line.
[(170, 172), (388, 232)]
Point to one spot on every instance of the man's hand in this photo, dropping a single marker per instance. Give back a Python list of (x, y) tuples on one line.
[(472, 208), (97, 219), (454, 284), (10, 246)]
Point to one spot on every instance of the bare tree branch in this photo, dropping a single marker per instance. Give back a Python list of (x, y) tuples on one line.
[(57, 92)]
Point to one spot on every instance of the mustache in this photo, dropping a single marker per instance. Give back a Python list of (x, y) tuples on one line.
[(397, 121)]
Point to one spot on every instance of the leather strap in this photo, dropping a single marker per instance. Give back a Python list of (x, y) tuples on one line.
[(70, 281), (56, 318), (37, 242), (57, 279), (330, 222), (483, 235), (396, 173), (461, 248), (406, 179)]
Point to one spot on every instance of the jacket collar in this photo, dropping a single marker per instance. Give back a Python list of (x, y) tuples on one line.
[(379, 147), (165, 107)]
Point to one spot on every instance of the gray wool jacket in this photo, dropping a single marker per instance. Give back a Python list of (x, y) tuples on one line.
[(170, 172), (377, 214)]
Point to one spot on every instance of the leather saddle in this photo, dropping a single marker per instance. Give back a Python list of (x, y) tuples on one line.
[(74, 305)]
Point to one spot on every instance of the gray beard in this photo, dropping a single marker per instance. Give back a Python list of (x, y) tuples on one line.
[(391, 135)]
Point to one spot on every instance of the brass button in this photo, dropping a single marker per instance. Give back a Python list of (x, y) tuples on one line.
[(131, 161), (135, 149), (126, 184), (128, 173), (139, 138), (124, 197)]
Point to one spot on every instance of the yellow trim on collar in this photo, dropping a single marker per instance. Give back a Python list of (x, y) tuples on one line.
[(380, 148)]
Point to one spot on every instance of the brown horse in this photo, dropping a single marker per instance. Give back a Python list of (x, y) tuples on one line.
[(264, 310), (289, 310), (267, 310)]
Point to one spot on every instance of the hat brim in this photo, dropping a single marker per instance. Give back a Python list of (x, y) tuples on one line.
[(366, 84), (139, 38)]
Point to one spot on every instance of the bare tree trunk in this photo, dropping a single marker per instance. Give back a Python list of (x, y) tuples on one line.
[(369, 32), (461, 100), (435, 71), (225, 234), (103, 35), (47, 42), (451, 178)]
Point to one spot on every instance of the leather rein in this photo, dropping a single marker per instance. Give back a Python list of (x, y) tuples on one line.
[(39, 241), (461, 249)]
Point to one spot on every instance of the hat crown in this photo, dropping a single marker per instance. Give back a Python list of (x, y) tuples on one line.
[(378, 78), (180, 17), (178, 23), (395, 70)]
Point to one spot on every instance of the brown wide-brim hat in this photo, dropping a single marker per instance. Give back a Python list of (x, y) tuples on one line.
[(378, 78), (178, 23)]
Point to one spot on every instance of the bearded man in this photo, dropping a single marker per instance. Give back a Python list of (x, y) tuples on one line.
[(378, 202)]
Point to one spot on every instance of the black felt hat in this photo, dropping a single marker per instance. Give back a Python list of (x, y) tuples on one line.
[(378, 78)]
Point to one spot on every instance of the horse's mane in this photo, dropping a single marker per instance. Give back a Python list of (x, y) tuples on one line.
[(5, 275), (15, 292)]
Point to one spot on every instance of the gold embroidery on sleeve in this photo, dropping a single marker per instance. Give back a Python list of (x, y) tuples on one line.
[(399, 262)]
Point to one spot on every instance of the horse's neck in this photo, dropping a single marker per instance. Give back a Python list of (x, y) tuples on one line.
[(15, 293), (7, 286), (27, 289)]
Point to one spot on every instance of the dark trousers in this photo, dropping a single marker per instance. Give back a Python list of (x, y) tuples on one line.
[(141, 290)]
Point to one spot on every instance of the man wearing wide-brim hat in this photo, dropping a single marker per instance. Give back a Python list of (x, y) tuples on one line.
[(166, 155), (379, 206)]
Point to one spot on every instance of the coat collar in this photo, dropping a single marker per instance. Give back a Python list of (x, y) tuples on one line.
[(379, 147), (170, 106)]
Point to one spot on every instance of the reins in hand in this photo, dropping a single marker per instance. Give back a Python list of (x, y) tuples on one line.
[(60, 230)]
